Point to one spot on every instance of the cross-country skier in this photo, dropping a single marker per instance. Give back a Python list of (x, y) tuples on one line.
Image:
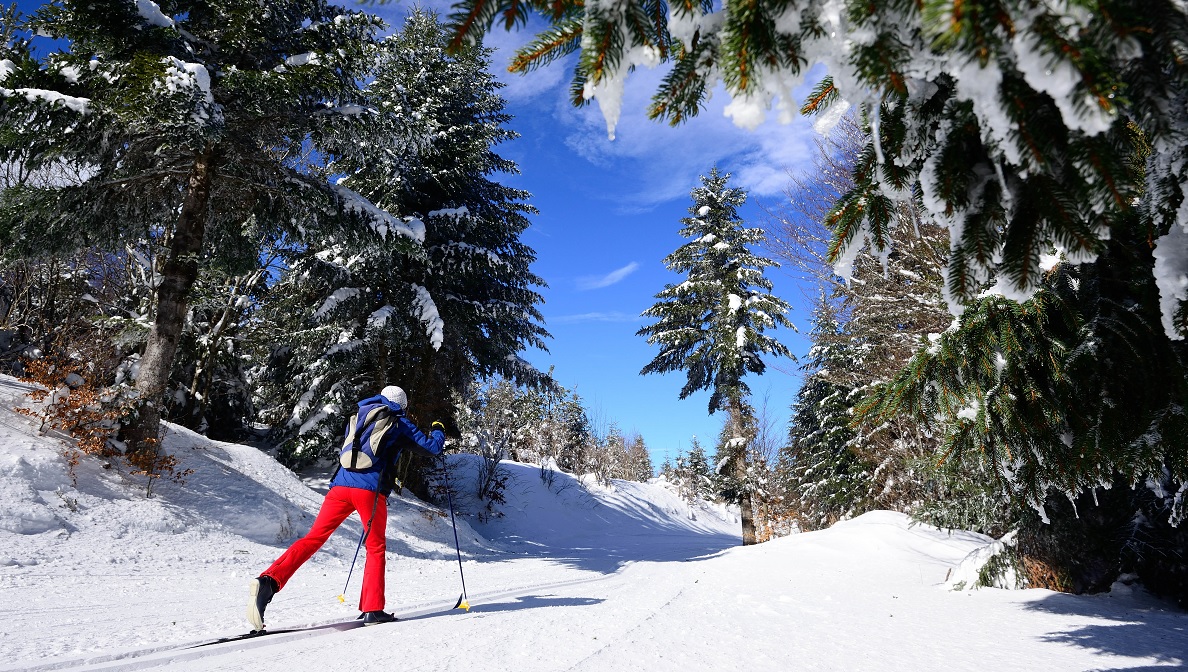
[(380, 429)]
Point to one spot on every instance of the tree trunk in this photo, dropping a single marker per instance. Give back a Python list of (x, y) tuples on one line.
[(178, 275), (744, 499), (740, 474)]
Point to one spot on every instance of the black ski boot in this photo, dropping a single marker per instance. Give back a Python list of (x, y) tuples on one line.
[(373, 617), (263, 588)]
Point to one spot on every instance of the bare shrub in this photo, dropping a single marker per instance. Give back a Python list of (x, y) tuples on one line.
[(91, 416)]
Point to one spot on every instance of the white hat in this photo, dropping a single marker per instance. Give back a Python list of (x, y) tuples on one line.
[(395, 395)]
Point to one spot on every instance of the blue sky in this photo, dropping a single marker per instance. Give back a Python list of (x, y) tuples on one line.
[(609, 213)]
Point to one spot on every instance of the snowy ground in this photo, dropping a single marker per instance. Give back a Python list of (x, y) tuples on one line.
[(101, 577)]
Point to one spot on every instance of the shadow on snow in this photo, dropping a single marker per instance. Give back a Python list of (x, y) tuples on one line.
[(1141, 626), (520, 603)]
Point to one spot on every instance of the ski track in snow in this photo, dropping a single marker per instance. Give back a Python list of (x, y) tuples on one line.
[(582, 578)]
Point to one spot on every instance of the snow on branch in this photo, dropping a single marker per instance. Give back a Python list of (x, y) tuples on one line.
[(1171, 272), (456, 213), (380, 317), (305, 401), (151, 12), (79, 105), (425, 310), (341, 294), (380, 220), (346, 346), (348, 110), (308, 58), (182, 76)]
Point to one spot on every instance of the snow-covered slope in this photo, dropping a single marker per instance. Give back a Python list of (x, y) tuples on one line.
[(571, 578)]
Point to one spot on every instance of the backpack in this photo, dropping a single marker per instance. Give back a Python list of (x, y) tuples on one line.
[(357, 454)]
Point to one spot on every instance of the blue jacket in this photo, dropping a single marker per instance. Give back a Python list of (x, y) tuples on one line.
[(396, 438)]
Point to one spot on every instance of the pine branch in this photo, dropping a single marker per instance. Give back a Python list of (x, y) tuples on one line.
[(845, 220), (514, 12), (577, 87), (748, 37), (659, 27), (607, 47), (470, 23), (680, 96), (549, 46), (824, 95)]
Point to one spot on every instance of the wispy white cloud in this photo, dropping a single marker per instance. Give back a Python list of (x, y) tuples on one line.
[(612, 316), (658, 163), (599, 281), (664, 161)]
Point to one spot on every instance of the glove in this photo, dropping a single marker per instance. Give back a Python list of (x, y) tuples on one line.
[(437, 425)]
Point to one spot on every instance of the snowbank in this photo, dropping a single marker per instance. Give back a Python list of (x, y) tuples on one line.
[(570, 578)]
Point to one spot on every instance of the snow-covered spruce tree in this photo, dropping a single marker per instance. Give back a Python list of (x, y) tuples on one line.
[(1083, 375), (546, 426), (711, 325), (606, 455), (429, 319), (538, 426), (323, 339), (825, 478), (488, 420), (639, 462), (476, 265), (692, 474), (667, 470), (499, 420), (884, 311), (193, 120), (626, 457), (698, 473), (575, 432), (562, 437)]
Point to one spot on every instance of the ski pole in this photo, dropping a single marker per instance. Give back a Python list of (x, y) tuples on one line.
[(366, 531), (463, 602)]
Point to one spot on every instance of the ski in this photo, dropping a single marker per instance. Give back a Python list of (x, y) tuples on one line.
[(340, 625), (315, 629), (251, 635)]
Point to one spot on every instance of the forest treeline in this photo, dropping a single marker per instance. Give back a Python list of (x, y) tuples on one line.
[(276, 212)]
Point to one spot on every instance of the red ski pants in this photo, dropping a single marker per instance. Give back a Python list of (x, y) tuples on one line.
[(339, 503)]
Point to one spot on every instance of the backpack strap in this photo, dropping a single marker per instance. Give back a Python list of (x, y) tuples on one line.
[(354, 430), (355, 449)]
